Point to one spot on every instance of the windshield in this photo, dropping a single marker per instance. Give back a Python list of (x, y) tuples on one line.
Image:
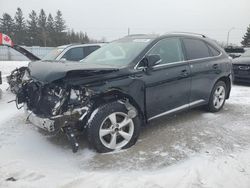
[(119, 53), (246, 53), (52, 55)]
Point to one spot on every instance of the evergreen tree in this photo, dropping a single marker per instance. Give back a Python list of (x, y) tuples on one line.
[(246, 38), (41, 30), (86, 38), (20, 27), (59, 22), (77, 37), (42, 25), (32, 28), (50, 30), (60, 27), (73, 37), (7, 25)]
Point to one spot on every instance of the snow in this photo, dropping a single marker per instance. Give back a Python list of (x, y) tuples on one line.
[(191, 149), (7, 66)]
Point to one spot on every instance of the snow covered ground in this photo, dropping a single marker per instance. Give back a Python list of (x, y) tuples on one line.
[(7, 66), (191, 149)]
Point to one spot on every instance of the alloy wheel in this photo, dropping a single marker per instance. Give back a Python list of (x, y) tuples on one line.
[(219, 97), (116, 130)]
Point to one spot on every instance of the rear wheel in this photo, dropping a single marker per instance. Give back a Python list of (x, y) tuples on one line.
[(111, 128), (217, 97)]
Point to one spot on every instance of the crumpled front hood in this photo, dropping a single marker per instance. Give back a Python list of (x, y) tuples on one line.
[(242, 60), (46, 71)]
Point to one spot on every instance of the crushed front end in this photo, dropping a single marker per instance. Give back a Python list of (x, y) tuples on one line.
[(56, 107), (15, 79)]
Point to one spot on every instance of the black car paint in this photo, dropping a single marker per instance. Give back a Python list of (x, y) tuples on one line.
[(48, 71), (164, 87), (241, 69), (153, 91)]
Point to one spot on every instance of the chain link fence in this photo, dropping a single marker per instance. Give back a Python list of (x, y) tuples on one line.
[(9, 54)]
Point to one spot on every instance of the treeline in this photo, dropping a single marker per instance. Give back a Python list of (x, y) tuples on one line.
[(246, 38), (40, 29)]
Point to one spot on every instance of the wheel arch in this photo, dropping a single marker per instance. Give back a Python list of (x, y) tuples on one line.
[(227, 80), (116, 94)]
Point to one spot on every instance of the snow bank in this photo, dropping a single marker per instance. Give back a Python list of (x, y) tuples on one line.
[(227, 171), (201, 171)]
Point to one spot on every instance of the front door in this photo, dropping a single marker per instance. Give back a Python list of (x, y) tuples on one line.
[(167, 83)]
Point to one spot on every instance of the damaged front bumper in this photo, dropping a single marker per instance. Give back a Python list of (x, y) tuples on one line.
[(56, 108), (67, 123), (43, 123), (54, 124)]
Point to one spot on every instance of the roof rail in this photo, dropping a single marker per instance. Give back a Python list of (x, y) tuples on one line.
[(136, 35), (190, 33)]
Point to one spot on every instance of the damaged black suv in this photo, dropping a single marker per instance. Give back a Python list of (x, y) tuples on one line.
[(125, 84)]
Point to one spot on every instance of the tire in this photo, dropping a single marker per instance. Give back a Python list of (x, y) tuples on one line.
[(217, 97), (110, 122)]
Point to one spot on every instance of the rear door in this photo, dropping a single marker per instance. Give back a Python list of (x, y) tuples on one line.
[(205, 68), (168, 83)]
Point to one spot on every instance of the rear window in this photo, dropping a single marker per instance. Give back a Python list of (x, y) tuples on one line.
[(196, 49), (213, 51)]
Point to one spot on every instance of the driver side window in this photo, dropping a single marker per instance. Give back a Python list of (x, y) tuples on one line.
[(169, 49)]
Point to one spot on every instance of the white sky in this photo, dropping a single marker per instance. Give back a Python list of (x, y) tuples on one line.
[(111, 18)]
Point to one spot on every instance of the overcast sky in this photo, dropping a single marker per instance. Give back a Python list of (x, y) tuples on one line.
[(112, 18)]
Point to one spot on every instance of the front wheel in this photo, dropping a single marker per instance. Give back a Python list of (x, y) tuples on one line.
[(111, 128), (217, 97)]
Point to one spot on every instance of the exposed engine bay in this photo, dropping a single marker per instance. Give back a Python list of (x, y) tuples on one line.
[(15, 79), (56, 107)]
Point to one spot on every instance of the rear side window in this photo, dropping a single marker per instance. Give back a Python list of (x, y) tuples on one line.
[(213, 51), (196, 49), (169, 49), (74, 54), (89, 49)]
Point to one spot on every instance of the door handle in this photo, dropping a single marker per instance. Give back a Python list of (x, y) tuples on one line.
[(184, 73), (215, 66)]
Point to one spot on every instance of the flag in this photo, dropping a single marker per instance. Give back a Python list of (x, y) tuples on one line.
[(5, 40)]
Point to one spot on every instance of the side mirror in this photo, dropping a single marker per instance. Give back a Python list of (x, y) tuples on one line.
[(153, 59), (150, 60)]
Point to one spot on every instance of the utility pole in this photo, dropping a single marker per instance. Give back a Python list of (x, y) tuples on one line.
[(128, 31), (229, 34)]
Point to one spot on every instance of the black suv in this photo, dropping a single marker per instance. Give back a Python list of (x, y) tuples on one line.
[(124, 85)]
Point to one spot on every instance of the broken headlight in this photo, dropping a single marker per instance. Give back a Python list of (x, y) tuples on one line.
[(26, 76)]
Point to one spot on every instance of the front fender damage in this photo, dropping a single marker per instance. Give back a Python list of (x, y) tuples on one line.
[(56, 108), (62, 108)]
